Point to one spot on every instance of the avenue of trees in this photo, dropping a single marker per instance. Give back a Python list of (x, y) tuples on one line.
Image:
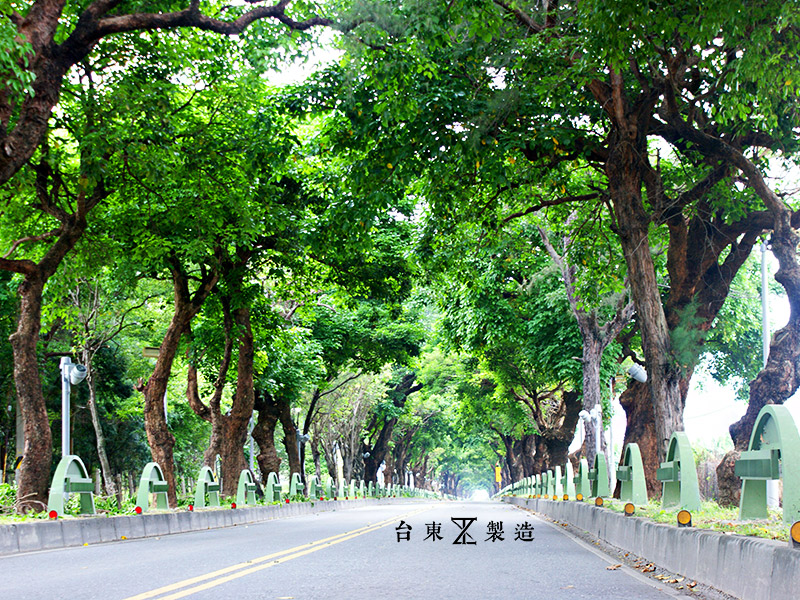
[(426, 257)]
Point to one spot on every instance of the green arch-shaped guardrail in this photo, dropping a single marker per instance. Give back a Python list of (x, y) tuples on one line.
[(774, 440), (537, 486), (295, 485), (633, 487), (581, 480), (272, 490), (568, 481), (207, 487), (152, 482), (558, 487), (314, 488), (71, 477), (679, 475), (599, 477), (246, 489), (550, 487)]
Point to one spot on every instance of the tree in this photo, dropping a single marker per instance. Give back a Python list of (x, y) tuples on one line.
[(595, 337), (613, 74), (49, 38)]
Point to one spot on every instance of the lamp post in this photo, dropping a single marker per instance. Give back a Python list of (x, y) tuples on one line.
[(71, 374)]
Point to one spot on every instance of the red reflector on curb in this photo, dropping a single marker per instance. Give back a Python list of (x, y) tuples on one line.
[(138, 510), (233, 504), (191, 507), (53, 514)]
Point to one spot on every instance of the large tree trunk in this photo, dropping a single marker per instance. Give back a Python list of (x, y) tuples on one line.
[(290, 437), (626, 161), (159, 438), (264, 435), (640, 430), (380, 448), (35, 467), (237, 421), (34, 476), (186, 306)]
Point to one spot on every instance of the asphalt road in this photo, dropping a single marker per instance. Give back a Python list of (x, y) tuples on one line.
[(353, 554)]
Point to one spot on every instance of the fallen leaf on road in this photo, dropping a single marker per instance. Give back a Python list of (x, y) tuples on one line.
[(613, 567), (691, 585)]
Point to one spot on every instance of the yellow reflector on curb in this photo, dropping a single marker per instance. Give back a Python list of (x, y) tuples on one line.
[(579, 497), (629, 509), (566, 497), (795, 534), (598, 501), (684, 518)]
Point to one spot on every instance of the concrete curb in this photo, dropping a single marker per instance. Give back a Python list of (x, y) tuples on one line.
[(31, 536), (745, 567)]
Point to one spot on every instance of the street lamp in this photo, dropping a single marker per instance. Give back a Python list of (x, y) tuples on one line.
[(638, 372), (71, 374)]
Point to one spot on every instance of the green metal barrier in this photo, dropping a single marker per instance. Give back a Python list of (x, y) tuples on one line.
[(371, 490), (774, 438), (330, 489), (295, 485), (679, 475), (568, 481), (581, 480), (630, 474), (207, 487), (272, 490), (599, 477), (152, 482), (71, 477), (537, 486), (314, 488), (246, 489), (362, 489), (550, 485), (558, 486)]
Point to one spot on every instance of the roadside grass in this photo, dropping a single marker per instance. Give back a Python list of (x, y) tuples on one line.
[(712, 516)]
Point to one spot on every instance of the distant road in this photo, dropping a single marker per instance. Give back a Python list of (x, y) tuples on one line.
[(352, 554)]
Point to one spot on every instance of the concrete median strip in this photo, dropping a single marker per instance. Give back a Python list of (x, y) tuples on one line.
[(745, 567), (32, 536)]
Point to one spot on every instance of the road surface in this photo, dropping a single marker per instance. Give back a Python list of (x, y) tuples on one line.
[(353, 554)]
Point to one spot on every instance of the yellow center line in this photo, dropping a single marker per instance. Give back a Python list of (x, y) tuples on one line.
[(246, 568)]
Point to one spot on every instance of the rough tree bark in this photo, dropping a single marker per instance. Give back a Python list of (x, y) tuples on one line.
[(555, 414), (264, 435)]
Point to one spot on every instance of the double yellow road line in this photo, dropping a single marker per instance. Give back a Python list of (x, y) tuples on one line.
[(184, 588)]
